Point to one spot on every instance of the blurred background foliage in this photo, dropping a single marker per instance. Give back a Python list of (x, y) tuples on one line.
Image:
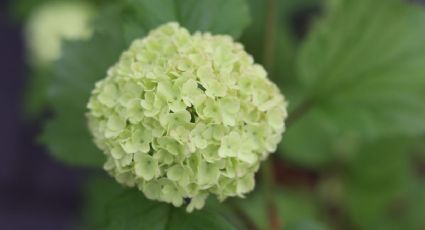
[(353, 71)]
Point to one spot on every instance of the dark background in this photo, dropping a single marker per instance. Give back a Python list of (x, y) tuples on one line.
[(36, 191)]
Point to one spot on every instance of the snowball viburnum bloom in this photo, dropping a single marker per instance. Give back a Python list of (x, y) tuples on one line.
[(52, 22), (183, 116)]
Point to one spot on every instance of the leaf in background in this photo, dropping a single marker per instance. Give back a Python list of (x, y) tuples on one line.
[(416, 205), (215, 16), (286, 41), (363, 67), (324, 144), (377, 179), (21, 9), (408, 213), (98, 190), (68, 141), (203, 220), (109, 206), (35, 95), (365, 63), (310, 149), (297, 210), (85, 62)]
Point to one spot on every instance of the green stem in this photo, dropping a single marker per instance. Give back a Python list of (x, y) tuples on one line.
[(274, 222), (298, 112), (270, 35), (268, 61)]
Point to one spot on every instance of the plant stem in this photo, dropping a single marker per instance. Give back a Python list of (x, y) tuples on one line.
[(270, 35), (274, 222), (298, 112), (268, 61)]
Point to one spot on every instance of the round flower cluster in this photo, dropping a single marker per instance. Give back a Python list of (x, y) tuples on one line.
[(182, 116), (52, 22)]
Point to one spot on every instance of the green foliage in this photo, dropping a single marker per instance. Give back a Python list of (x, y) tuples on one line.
[(362, 70), (286, 43), (381, 190), (109, 206), (85, 62), (35, 97), (313, 148), (382, 82), (413, 217), (377, 178), (297, 209), (217, 17), (98, 190), (21, 9)]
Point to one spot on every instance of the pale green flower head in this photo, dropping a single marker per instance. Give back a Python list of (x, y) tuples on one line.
[(183, 116), (52, 22)]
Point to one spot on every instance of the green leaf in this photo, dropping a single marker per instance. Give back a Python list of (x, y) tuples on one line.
[(407, 213), (376, 181), (21, 9), (112, 207), (216, 16), (416, 205), (315, 142), (204, 219), (85, 62), (310, 149), (98, 190), (365, 65), (35, 93), (285, 39), (299, 212), (69, 141), (362, 68), (296, 209)]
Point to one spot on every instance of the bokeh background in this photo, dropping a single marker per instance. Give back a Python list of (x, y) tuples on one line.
[(36, 191), (39, 192)]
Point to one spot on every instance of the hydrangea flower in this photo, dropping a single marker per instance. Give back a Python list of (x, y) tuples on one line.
[(52, 22), (183, 116)]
